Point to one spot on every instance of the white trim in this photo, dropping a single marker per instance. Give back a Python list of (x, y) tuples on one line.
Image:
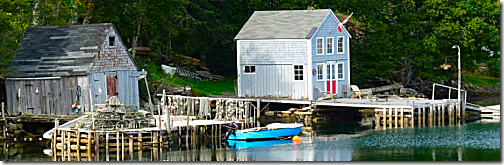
[(332, 46), (337, 21), (115, 41), (348, 60), (35, 78), (342, 42), (255, 40), (251, 72), (309, 86), (238, 66), (343, 71), (294, 73), (318, 72), (316, 45)]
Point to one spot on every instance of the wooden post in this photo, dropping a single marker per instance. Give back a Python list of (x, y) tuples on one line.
[(5, 122), (68, 146), (439, 114), (118, 137), (258, 113), (442, 114), (140, 141), (420, 117), (395, 114), (220, 134), (377, 120), (412, 119), (423, 116), (402, 117), (430, 115), (384, 118), (212, 137), (78, 145), (130, 144), (390, 117)]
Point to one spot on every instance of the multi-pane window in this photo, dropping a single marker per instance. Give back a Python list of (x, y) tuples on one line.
[(330, 45), (341, 47), (298, 72), (320, 68), (320, 46), (250, 69), (340, 71), (111, 41)]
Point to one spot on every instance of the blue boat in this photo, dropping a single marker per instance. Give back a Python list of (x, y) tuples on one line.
[(271, 131), (250, 144)]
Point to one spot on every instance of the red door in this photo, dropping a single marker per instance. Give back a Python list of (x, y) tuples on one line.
[(330, 77), (111, 85)]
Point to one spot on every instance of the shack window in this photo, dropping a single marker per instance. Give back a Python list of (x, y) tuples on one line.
[(298, 72), (320, 70), (341, 46), (111, 41), (250, 69), (320, 46), (330, 45), (340, 71)]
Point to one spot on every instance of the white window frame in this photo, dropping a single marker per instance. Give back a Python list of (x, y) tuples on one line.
[(255, 69), (342, 46), (294, 72), (321, 72), (342, 71), (332, 45), (115, 41), (316, 45)]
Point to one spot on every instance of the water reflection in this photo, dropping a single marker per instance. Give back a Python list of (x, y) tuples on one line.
[(331, 142)]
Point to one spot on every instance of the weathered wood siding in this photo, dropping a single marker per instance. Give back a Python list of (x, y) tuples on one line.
[(329, 28), (273, 61), (97, 83), (55, 95), (128, 87), (113, 58)]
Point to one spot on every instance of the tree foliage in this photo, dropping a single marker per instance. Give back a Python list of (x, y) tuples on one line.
[(392, 40)]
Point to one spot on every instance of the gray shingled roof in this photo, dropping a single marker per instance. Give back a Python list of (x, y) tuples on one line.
[(282, 24), (58, 50)]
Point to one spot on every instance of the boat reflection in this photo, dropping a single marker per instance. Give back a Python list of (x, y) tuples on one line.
[(250, 144)]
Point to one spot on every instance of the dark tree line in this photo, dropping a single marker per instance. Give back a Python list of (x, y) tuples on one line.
[(392, 40)]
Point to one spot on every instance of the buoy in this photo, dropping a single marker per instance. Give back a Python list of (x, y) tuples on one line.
[(296, 140)]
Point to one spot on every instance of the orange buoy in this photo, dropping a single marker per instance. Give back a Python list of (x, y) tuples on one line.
[(296, 140)]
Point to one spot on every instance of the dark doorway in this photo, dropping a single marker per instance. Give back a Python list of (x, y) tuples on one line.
[(111, 85)]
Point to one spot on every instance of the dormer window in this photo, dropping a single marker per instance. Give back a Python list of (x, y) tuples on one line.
[(111, 41)]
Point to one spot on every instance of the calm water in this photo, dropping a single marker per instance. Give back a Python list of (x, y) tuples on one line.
[(331, 142)]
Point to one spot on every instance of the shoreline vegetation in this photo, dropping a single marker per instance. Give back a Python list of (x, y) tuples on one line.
[(392, 42)]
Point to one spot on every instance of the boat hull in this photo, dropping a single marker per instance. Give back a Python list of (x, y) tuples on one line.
[(250, 144), (265, 134)]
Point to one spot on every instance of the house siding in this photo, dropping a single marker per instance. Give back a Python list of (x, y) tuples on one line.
[(55, 95), (329, 29), (113, 58), (273, 52), (273, 61)]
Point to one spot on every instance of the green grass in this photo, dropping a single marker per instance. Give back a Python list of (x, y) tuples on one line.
[(199, 88), (480, 80)]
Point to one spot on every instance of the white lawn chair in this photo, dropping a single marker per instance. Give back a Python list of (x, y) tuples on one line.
[(356, 91), (326, 95)]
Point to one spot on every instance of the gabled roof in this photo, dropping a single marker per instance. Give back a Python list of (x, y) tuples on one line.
[(283, 24), (58, 50)]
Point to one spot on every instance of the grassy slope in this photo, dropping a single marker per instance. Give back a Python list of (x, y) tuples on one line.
[(481, 81), (200, 88)]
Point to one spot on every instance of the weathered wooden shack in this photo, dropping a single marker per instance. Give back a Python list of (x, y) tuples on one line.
[(57, 65), (288, 53)]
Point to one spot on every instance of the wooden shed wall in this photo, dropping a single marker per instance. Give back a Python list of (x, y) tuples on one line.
[(55, 96), (128, 87)]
